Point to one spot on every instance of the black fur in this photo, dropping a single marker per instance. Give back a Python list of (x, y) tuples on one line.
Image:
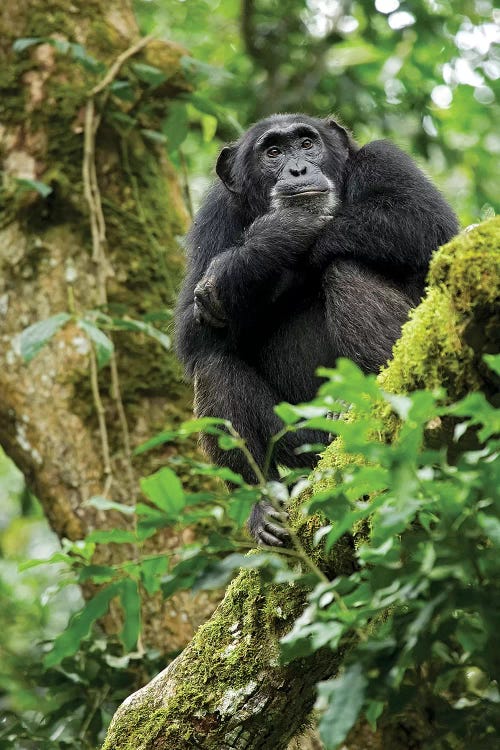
[(280, 283)]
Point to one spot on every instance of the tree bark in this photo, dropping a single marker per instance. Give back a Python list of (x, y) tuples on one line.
[(227, 690), (49, 420)]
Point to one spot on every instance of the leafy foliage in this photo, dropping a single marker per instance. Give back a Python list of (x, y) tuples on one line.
[(419, 612)]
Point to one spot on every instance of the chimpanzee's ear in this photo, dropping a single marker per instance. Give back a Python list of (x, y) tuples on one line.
[(346, 136), (224, 167)]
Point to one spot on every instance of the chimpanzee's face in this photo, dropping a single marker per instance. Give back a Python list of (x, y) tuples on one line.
[(287, 161), (291, 156)]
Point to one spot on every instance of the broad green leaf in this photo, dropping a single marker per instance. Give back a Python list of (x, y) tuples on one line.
[(41, 187), (347, 54), (86, 60), (152, 568), (140, 326), (216, 574), (57, 557), (176, 125), (131, 604), (373, 712), (288, 413), (340, 701), (103, 345), (211, 425), (21, 44), (115, 536), (204, 105), (165, 491), (123, 90), (96, 573), (34, 338), (208, 127), (149, 74), (493, 362), (79, 626), (490, 526)]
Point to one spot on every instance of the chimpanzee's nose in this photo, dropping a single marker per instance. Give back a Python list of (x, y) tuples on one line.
[(298, 170)]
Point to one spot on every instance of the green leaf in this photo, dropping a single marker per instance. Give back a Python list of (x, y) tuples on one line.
[(103, 345), (215, 575), (102, 503), (21, 44), (79, 626), (287, 413), (176, 125), (40, 187), (128, 324), (210, 425), (493, 362), (123, 90), (149, 74), (154, 135), (96, 573), (57, 557), (490, 526), (115, 536), (85, 59), (165, 491), (341, 701), (152, 570), (131, 603), (373, 712), (347, 54), (34, 338), (208, 127)]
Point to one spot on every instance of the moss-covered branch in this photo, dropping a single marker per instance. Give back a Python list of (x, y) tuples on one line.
[(227, 691)]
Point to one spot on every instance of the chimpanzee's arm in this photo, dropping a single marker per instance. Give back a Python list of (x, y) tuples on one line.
[(218, 225), (241, 282), (233, 273), (391, 217)]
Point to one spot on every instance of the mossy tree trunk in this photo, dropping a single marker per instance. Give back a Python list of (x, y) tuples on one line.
[(49, 422), (227, 691)]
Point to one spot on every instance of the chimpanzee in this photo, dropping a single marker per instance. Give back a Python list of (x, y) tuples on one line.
[(309, 248)]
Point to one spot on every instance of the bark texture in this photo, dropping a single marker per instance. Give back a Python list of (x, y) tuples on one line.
[(227, 691), (48, 416)]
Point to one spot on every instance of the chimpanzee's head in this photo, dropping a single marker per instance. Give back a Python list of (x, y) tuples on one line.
[(287, 160)]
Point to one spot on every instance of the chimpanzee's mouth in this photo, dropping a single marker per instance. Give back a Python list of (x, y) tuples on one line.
[(305, 191)]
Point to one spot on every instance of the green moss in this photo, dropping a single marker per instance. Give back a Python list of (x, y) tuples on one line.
[(226, 653), (441, 345)]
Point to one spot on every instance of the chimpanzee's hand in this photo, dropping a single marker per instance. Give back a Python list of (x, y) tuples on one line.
[(265, 524), (290, 230), (207, 305)]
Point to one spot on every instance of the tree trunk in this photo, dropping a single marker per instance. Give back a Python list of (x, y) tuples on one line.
[(227, 690), (53, 423)]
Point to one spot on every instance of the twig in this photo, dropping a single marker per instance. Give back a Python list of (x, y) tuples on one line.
[(100, 413), (115, 68), (187, 192), (98, 231)]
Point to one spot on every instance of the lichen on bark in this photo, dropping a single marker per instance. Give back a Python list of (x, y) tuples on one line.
[(204, 700)]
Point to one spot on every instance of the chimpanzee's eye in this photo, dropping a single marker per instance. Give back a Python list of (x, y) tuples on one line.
[(273, 152), (307, 143)]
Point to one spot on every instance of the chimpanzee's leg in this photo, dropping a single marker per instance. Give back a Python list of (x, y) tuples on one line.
[(228, 388)]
